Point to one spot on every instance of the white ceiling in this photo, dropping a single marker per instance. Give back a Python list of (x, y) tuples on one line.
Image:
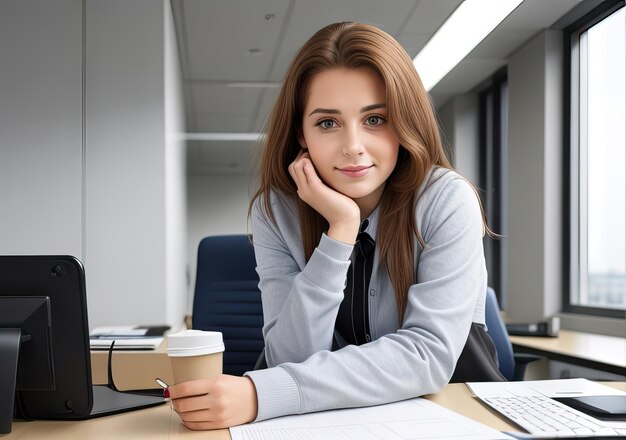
[(252, 41)]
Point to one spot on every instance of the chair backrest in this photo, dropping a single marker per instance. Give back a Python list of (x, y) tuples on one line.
[(227, 299), (499, 335)]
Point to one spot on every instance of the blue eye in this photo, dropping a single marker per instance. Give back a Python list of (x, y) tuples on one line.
[(326, 123), (374, 120)]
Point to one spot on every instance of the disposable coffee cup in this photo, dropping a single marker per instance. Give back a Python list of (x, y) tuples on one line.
[(195, 354)]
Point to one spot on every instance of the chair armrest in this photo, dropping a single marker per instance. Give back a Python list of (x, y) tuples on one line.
[(521, 360), (525, 358)]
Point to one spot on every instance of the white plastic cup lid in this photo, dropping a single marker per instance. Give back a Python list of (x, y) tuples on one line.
[(194, 343)]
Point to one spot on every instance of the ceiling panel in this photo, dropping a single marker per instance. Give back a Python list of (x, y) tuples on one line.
[(537, 14), (429, 15), (310, 16), (220, 34), (530, 17), (465, 76), (413, 43), (426, 18)]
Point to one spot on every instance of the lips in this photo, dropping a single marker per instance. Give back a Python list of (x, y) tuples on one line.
[(355, 171)]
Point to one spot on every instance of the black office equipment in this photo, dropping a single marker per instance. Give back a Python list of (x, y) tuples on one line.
[(610, 408), (45, 366), (548, 328)]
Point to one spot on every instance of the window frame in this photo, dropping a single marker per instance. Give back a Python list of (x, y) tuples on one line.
[(493, 151), (571, 233)]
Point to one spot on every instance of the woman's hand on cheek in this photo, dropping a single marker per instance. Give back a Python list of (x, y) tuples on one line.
[(214, 403), (341, 212)]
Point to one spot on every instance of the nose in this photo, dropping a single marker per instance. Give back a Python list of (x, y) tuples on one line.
[(353, 145)]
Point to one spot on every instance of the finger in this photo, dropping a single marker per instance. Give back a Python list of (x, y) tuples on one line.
[(189, 388), (300, 159), (309, 172), (298, 174), (297, 158), (294, 175), (194, 403), (292, 168)]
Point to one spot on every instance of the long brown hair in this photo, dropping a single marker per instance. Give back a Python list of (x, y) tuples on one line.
[(411, 118)]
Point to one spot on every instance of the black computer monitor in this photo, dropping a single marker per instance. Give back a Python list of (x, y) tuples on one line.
[(42, 298), (29, 316), (24, 336)]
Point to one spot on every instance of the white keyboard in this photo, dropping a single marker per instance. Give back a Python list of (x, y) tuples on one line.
[(544, 417)]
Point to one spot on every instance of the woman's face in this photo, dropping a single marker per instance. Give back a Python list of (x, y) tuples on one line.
[(345, 130)]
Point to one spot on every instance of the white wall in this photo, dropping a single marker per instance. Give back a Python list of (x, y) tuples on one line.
[(459, 119), (217, 205), (41, 148), (92, 166), (175, 177), (125, 163), (467, 152), (445, 115), (535, 162), (135, 168)]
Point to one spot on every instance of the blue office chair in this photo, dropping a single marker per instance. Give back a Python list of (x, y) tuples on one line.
[(227, 299), (512, 365)]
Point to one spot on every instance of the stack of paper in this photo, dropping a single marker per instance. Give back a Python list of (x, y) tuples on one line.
[(126, 337), (410, 419)]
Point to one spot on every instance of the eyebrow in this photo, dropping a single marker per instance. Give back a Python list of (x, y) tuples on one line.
[(333, 111)]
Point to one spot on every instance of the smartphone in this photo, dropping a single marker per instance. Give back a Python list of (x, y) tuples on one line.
[(601, 407)]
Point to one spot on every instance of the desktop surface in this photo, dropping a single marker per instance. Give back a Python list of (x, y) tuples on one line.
[(600, 352), (163, 422)]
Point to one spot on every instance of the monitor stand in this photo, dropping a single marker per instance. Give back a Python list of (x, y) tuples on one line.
[(107, 399), (9, 350)]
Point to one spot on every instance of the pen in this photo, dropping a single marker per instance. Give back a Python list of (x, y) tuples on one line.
[(163, 385)]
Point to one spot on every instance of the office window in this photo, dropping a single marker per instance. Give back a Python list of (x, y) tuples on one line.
[(493, 177), (595, 146)]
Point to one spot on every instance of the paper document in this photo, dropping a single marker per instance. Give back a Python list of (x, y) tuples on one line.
[(129, 331), (125, 343), (548, 388), (127, 337), (410, 419)]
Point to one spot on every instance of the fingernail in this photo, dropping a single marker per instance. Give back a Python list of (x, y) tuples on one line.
[(166, 393)]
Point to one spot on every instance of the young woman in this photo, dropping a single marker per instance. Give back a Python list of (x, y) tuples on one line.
[(368, 245)]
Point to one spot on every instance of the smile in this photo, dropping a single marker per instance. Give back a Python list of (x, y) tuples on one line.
[(358, 171)]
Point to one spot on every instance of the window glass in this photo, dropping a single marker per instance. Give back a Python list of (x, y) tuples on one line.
[(599, 157)]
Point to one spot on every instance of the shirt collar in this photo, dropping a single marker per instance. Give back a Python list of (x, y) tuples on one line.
[(372, 226)]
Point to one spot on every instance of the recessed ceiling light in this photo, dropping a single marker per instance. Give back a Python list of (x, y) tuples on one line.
[(468, 25), (254, 84), (253, 137)]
